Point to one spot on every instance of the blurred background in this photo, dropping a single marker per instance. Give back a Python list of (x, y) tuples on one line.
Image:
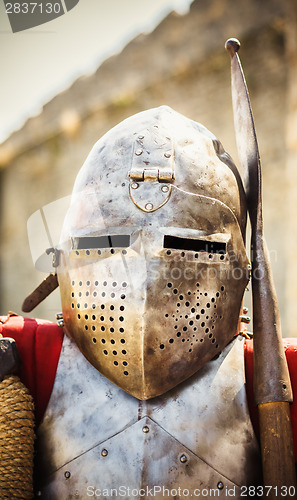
[(65, 83)]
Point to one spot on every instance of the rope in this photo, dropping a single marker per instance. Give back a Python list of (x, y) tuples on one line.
[(16, 440)]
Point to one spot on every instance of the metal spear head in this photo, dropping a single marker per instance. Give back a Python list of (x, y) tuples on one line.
[(271, 375)]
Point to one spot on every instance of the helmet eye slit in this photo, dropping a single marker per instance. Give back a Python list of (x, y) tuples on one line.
[(211, 247), (95, 242)]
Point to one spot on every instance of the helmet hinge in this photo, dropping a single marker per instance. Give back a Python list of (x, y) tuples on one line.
[(152, 164), (152, 174)]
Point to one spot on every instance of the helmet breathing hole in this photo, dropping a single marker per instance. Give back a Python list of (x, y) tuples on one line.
[(187, 331)]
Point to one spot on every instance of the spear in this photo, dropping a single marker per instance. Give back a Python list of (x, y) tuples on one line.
[(272, 386)]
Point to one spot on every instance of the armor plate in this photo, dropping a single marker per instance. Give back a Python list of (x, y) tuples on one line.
[(198, 436)]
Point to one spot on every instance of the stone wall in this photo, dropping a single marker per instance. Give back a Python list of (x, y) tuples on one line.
[(182, 64)]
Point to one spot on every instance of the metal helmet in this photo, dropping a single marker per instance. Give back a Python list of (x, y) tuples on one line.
[(152, 265)]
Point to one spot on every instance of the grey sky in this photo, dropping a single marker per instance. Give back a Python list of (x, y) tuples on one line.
[(38, 63)]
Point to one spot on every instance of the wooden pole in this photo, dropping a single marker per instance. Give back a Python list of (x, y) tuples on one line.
[(276, 442)]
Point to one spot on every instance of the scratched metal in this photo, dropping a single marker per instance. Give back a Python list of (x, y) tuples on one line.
[(198, 435), (148, 317), (272, 378)]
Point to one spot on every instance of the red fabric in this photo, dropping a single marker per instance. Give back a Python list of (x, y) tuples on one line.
[(290, 346), (39, 343)]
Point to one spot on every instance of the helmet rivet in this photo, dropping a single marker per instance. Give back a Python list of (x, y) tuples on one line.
[(67, 474), (104, 452), (165, 189), (183, 459), (145, 429), (149, 206), (220, 485), (167, 155), (138, 152), (141, 137), (134, 185)]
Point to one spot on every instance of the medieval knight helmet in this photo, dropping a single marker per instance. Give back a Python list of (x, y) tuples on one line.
[(152, 264)]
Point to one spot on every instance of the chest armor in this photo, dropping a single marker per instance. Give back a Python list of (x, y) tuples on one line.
[(96, 440)]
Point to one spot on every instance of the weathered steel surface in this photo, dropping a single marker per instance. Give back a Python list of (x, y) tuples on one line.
[(149, 315), (198, 435), (272, 379)]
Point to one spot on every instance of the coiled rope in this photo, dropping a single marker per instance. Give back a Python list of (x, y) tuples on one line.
[(16, 440)]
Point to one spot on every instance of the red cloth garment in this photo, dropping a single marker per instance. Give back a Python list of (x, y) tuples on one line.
[(39, 344)]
